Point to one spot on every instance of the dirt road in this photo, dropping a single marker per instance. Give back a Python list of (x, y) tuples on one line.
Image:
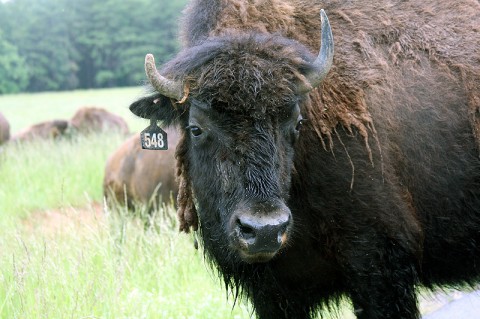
[(461, 305)]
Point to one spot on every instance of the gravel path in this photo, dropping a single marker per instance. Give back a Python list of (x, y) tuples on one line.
[(462, 305)]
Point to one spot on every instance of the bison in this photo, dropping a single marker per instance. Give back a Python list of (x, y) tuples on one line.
[(311, 179), (133, 175), (51, 129), (94, 119), (4, 129)]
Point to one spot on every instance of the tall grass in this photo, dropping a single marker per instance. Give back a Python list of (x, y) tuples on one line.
[(63, 256), (111, 268), (45, 173)]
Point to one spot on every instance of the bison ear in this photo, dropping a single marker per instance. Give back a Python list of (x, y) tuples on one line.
[(156, 106)]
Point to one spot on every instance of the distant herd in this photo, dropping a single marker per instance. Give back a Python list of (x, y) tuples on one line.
[(85, 120), (130, 176)]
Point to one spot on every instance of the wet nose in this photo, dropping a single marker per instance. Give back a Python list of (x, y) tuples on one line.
[(263, 234)]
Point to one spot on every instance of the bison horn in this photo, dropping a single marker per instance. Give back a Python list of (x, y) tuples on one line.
[(324, 60), (163, 85)]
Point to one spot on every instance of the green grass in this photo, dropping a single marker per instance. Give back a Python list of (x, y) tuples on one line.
[(111, 268), (63, 258), (48, 174)]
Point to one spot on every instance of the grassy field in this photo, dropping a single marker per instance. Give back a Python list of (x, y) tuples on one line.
[(23, 110), (64, 255)]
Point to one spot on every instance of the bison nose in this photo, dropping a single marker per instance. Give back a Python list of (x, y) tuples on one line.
[(261, 238), (260, 235)]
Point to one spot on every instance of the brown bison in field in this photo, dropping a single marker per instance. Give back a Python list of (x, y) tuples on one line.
[(94, 119), (44, 130), (4, 129), (312, 180), (141, 176)]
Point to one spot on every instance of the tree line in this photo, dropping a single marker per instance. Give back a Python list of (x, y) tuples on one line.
[(50, 45)]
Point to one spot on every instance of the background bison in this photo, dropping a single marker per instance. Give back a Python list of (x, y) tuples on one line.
[(141, 176), (4, 129), (85, 121), (44, 130), (366, 184), (95, 119)]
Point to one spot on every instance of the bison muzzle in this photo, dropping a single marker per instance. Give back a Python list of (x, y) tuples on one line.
[(258, 232)]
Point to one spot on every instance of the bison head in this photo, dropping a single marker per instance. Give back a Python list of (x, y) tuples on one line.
[(237, 97)]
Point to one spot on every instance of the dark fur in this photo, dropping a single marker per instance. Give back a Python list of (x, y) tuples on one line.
[(383, 181)]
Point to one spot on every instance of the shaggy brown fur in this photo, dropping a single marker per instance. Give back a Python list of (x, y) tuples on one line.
[(372, 45), (187, 214), (4, 129), (95, 119), (137, 176)]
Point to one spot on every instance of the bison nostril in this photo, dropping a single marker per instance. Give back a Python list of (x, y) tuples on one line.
[(246, 231), (282, 233)]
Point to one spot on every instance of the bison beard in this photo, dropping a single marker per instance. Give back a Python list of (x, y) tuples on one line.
[(376, 193)]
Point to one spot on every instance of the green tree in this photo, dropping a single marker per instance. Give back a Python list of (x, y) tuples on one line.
[(65, 44), (116, 36), (39, 29), (13, 73)]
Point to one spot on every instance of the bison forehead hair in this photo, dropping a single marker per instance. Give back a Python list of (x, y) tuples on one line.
[(249, 74)]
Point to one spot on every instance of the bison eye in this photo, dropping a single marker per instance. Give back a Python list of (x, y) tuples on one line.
[(195, 130), (299, 124)]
